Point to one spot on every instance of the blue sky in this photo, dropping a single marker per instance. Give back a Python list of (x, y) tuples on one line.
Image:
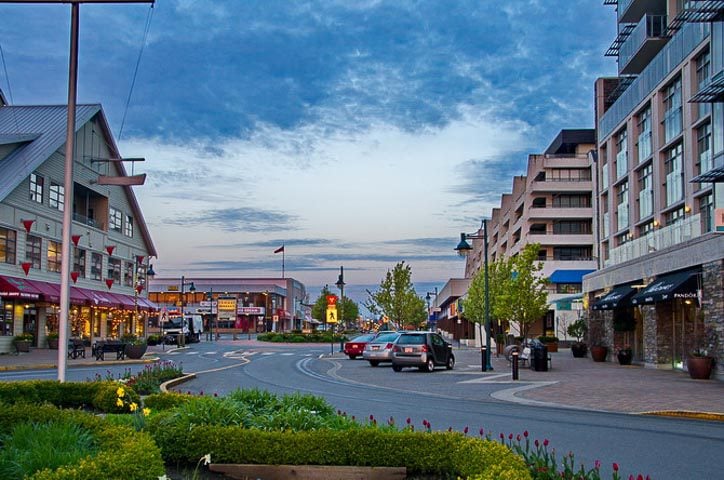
[(356, 133)]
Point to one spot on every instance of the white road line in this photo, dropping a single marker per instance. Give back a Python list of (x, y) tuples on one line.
[(268, 353), (286, 354)]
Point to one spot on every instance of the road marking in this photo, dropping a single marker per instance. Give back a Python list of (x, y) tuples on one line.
[(268, 353), (493, 378), (286, 354)]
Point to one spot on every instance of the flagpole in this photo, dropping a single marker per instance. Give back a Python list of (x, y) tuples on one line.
[(283, 262)]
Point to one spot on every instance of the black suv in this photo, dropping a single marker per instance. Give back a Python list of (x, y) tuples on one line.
[(424, 350)]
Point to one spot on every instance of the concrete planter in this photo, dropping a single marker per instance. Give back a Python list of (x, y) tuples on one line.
[(136, 351)]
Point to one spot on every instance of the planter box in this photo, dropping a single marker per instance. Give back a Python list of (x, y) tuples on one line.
[(22, 346), (308, 472)]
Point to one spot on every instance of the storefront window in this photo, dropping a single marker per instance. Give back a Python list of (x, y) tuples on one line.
[(7, 246), (6, 319)]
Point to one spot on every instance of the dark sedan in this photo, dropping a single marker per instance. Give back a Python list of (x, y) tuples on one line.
[(424, 350), (356, 346)]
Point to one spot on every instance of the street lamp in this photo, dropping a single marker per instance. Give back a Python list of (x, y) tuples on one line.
[(463, 250), (192, 288), (340, 284), (429, 313)]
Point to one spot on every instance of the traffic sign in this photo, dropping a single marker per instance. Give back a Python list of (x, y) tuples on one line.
[(331, 314)]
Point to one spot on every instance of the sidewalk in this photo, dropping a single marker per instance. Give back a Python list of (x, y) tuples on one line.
[(570, 383)]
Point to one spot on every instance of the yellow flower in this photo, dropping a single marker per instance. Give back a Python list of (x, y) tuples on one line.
[(120, 392), (207, 459), (146, 412), (133, 406), (119, 402)]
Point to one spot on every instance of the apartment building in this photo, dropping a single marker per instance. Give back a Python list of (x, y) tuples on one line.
[(659, 163), (111, 244), (550, 205)]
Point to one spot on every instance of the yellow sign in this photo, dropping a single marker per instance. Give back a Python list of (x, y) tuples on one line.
[(332, 315), (227, 304)]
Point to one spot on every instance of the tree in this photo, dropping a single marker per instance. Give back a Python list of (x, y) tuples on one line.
[(319, 309), (528, 293), (499, 278), (396, 298)]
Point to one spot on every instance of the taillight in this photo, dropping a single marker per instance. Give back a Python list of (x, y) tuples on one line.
[(397, 349), (388, 346), (425, 349)]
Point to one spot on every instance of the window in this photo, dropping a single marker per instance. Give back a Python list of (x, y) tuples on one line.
[(96, 266), (646, 191), (673, 166), (114, 269), (706, 209), (33, 249), (703, 148), (115, 219), (539, 202), (56, 196), (537, 229), (79, 261), (572, 227), (646, 228), (622, 206), (675, 216), (128, 275), (569, 287), (572, 201), (54, 256), (36, 188), (672, 110), (128, 230), (604, 174), (623, 238), (572, 253), (703, 78), (621, 154), (8, 239), (569, 175), (644, 127)]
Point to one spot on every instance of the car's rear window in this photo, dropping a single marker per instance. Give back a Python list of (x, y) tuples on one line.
[(412, 339), (386, 337), (363, 338)]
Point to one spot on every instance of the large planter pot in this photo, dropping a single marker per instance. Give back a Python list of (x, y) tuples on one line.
[(598, 353), (135, 351), (22, 346), (53, 343), (579, 349), (625, 355), (700, 367)]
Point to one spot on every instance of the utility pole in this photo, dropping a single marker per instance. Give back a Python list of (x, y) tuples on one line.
[(66, 258)]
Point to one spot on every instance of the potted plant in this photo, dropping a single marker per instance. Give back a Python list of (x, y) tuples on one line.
[(135, 346), (551, 343), (52, 339), (599, 352), (578, 330), (23, 342), (700, 364), (153, 339), (624, 355)]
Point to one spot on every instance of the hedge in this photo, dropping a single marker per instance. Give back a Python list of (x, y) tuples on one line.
[(100, 396), (122, 452), (436, 453)]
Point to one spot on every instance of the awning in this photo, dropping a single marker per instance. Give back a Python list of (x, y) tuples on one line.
[(683, 285), (100, 299), (565, 303), (568, 276), (50, 291), (14, 287), (616, 298)]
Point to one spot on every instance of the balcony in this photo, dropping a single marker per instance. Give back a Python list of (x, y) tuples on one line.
[(553, 185), (552, 239), (642, 45), (631, 11), (660, 239), (554, 213)]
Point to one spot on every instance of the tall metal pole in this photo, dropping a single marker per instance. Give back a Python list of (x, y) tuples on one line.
[(488, 366)]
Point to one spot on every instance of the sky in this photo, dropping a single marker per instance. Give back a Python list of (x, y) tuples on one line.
[(356, 133)]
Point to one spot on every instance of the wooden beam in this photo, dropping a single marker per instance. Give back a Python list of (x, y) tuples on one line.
[(122, 181)]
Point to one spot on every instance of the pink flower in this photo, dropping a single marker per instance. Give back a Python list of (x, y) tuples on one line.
[(482, 432), (408, 420), (465, 430), (597, 464), (615, 467), (536, 443), (517, 437), (525, 433), (545, 442), (510, 436)]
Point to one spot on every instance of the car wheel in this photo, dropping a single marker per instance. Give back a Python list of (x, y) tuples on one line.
[(352, 357), (374, 363), (450, 362), (396, 368), (430, 365)]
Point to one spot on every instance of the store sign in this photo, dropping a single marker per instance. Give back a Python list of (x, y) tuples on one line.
[(250, 310), (227, 304)]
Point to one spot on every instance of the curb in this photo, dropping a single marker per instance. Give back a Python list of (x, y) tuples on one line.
[(710, 416)]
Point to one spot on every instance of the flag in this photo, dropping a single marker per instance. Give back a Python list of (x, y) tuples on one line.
[(280, 249)]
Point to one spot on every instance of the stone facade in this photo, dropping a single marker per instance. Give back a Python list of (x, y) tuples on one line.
[(713, 309)]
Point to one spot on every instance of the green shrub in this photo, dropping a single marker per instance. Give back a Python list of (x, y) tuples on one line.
[(64, 395), (109, 399), (149, 379), (165, 401), (545, 339)]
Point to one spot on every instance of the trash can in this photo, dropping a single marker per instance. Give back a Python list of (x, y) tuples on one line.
[(539, 357)]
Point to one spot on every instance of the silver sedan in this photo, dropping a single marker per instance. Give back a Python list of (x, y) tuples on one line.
[(379, 349)]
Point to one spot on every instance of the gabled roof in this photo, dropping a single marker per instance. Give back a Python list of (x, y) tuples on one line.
[(43, 129)]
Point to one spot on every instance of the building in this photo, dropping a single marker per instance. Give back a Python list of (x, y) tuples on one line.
[(242, 304), (552, 206), (111, 242), (447, 317), (659, 156)]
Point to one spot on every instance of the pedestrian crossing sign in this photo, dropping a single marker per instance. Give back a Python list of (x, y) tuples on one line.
[(331, 314)]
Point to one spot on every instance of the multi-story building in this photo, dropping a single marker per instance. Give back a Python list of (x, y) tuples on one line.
[(240, 304), (551, 206), (660, 154), (111, 244)]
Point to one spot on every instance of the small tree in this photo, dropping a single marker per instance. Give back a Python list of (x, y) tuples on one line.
[(527, 298), (396, 298), (499, 278)]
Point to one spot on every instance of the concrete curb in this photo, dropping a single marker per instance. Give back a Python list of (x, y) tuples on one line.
[(710, 416)]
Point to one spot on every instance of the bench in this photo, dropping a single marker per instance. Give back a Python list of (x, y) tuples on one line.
[(109, 346), (76, 348)]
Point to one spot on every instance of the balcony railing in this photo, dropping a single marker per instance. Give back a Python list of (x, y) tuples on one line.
[(642, 44), (660, 239)]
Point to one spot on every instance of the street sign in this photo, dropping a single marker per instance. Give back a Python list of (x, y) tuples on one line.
[(331, 314), (206, 303), (331, 301)]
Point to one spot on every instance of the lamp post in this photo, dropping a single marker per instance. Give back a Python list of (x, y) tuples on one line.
[(463, 250), (181, 340), (340, 284), (210, 298), (429, 313)]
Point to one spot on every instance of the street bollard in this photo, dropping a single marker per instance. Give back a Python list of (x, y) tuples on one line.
[(515, 365), (483, 358)]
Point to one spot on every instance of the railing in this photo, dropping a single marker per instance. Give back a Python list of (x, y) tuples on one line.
[(77, 217), (660, 239), (650, 26)]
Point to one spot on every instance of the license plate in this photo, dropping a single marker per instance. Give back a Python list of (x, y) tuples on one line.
[(375, 347), (408, 349)]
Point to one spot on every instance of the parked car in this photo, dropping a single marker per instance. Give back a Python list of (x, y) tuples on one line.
[(379, 349), (356, 346), (424, 350)]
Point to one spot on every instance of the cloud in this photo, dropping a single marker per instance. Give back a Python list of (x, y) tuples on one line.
[(236, 220)]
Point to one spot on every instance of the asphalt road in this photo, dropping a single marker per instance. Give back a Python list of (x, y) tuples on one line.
[(665, 448)]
